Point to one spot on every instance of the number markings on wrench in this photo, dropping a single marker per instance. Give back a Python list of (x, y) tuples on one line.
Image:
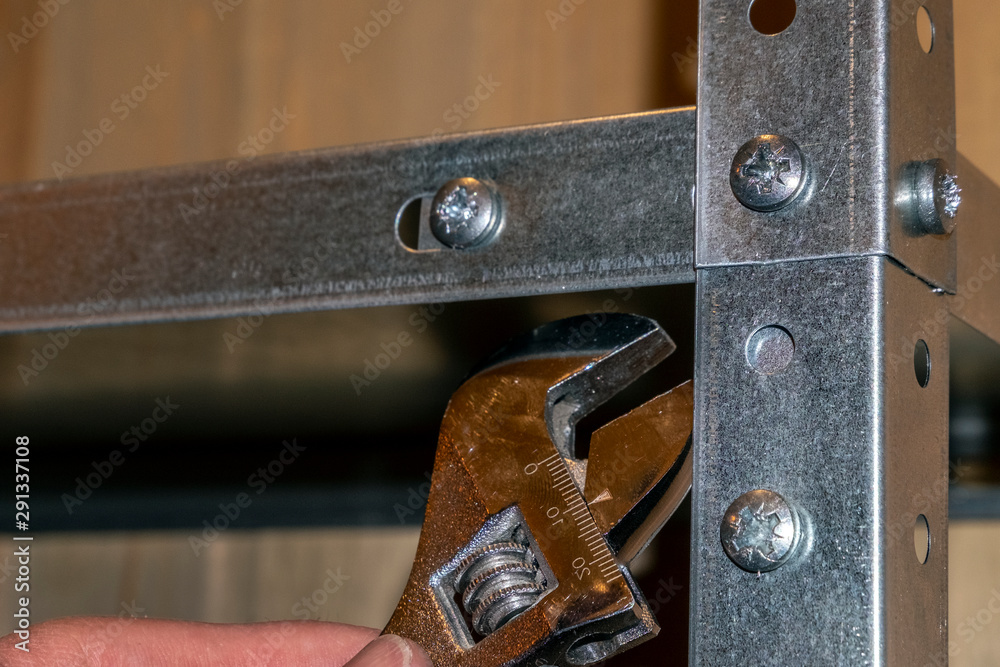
[(601, 556)]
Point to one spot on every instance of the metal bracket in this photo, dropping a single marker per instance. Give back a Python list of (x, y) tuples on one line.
[(849, 83)]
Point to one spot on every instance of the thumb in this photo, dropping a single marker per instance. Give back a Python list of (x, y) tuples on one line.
[(391, 651)]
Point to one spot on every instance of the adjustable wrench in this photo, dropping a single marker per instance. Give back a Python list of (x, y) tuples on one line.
[(524, 552)]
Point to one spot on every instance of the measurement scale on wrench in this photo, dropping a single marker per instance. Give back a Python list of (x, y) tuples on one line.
[(524, 553), (600, 555)]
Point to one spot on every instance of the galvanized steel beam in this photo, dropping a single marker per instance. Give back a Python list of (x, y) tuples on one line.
[(587, 205), (806, 387), (812, 315)]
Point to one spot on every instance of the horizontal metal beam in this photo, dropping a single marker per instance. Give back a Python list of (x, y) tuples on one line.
[(977, 302), (588, 205)]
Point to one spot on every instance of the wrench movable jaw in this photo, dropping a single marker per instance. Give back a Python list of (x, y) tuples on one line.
[(512, 564)]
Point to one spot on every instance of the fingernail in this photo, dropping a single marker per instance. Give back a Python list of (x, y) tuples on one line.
[(405, 652), (388, 651)]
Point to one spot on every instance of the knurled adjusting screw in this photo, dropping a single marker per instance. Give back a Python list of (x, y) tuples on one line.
[(768, 173), (760, 531), (465, 213)]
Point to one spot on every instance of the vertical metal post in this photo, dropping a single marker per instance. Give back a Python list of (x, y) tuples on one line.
[(822, 358), (848, 436)]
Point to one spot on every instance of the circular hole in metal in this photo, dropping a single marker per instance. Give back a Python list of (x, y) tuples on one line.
[(922, 538), (770, 349), (922, 363), (770, 17), (925, 29)]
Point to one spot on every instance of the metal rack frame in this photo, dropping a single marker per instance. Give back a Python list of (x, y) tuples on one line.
[(839, 425)]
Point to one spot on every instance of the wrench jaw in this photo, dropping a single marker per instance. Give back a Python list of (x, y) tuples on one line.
[(514, 567), (614, 349), (640, 470)]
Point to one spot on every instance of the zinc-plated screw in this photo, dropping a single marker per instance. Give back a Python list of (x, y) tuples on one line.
[(768, 173), (465, 213), (929, 197), (760, 531)]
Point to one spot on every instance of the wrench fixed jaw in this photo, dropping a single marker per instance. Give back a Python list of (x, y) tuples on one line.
[(613, 349), (640, 470), (505, 506)]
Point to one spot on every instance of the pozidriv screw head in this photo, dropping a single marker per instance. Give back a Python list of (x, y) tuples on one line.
[(760, 531), (465, 213), (768, 173)]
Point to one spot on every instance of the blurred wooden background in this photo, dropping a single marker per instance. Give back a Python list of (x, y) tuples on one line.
[(226, 72)]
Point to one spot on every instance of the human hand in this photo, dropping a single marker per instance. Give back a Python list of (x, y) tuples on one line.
[(116, 642)]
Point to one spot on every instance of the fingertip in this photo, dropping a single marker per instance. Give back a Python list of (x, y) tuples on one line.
[(391, 651), (127, 641), (418, 657)]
